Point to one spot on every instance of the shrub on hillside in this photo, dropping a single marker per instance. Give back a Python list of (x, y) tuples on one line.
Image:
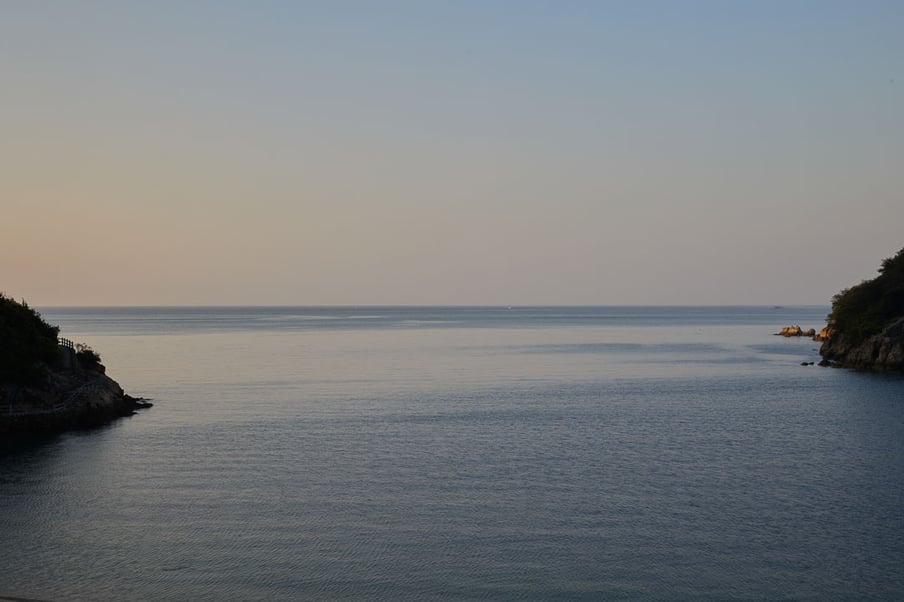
[(86, 355)]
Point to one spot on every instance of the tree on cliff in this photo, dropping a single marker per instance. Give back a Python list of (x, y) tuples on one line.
[(28, 344), (865, 309)]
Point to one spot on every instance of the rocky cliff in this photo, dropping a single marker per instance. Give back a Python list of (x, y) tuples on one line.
[(65, 399), (882, 352), (866, 326)]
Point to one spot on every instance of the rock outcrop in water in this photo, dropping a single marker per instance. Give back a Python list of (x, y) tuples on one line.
[(49, 385), (866, 326), (796, 331)]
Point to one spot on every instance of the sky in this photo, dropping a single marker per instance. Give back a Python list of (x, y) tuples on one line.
[(466, 152)]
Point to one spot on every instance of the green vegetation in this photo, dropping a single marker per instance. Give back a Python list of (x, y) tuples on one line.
[(863, 310), (28, 344)]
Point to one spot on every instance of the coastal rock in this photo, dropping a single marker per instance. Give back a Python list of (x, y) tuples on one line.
[(790, 331), (796, 331), (883, 351), (64, 400), (824, 334)]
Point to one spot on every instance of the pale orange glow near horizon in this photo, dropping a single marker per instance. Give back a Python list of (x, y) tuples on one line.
[(433, 154)]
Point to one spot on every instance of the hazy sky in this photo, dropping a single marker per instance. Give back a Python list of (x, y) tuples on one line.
[(448, 152)]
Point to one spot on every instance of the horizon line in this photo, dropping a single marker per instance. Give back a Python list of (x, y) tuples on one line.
[(431, 305)]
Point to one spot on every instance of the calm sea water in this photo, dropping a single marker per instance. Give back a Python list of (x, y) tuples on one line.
[(463, 453)]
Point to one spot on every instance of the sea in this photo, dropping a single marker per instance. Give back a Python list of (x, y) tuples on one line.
[(463, 453)]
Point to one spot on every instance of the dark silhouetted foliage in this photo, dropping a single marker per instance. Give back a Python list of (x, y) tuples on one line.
[(28, 344), (86, 355), (863, 310)]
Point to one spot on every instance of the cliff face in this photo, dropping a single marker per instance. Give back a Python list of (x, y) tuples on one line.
[(63, 400), (883, 351)]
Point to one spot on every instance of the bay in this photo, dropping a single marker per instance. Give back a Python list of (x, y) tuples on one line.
[(463, 453)]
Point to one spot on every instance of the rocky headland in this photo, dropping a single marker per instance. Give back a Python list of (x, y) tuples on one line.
[(883, 351), (48, 384), (64, 400), (866, 325)]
